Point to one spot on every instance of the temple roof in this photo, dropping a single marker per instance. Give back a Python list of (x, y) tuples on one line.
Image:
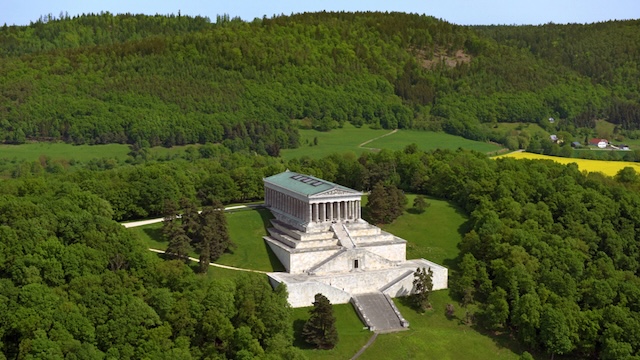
[(305, 185)]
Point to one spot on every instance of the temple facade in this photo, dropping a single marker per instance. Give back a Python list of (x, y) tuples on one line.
[(326, 247), (304, 201)]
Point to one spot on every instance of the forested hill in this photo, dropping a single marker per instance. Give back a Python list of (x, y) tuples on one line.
[(171, 80)]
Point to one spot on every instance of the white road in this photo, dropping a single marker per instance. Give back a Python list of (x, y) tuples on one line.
[(157, 220)]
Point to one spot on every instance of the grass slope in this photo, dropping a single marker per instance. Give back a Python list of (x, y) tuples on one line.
[(352, 334), (340, 140), (433, 336), (610, 168), (434, 234)]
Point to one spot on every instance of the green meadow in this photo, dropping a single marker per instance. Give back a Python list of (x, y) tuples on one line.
[(359, 140), (428, 140), (347, 138)]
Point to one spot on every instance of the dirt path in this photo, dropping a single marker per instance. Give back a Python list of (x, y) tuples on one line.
[(157, 220), (365, 347), (376, 138)]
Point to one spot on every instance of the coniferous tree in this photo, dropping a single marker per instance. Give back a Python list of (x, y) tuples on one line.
[(422, 288), (378, 205), (213, 232), (386, 203), (320, 329), (190, 221)]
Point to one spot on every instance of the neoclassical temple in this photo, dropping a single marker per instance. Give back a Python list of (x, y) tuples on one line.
[(303, 201), (326, 247)]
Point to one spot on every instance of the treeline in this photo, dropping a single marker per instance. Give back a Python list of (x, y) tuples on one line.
[(173, 80)]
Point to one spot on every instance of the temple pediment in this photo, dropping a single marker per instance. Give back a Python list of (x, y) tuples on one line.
[(336, 192)]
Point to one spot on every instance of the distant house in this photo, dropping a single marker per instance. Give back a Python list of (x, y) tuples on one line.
[(552, 120), (553, 138), (624, 147), (576, 144), (601, 143)]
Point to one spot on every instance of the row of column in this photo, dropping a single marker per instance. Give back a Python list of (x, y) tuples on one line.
[(335, 210), (316, 212), (286, 203)]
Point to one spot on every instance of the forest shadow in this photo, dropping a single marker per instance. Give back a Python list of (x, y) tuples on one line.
[(266, 217), (298, 341), (155, 234), (276, 265)]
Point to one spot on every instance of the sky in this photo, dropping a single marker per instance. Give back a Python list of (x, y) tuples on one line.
[(462, 12)]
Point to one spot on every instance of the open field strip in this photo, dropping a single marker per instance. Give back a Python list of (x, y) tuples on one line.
[(610, 168), (429, 140)]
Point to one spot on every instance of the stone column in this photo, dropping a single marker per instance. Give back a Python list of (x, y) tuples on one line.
[(330, 206)]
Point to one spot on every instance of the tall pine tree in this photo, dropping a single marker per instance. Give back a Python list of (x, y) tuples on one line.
[(320, 330)]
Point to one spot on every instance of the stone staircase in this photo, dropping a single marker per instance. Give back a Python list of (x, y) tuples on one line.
[(343, 236), (379, 313)]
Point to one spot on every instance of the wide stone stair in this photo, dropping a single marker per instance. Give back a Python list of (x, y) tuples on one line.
[(379, 313)]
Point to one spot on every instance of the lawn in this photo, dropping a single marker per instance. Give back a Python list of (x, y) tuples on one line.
[(610, 168), (352, 334), (434, 336), (428, 140), (246, 229), (432, 235)]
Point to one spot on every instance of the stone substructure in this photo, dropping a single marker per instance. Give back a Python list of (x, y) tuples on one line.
[(326, 247)]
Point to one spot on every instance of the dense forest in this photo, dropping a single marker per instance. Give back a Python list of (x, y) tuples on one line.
[(171, 80), (551, 255)]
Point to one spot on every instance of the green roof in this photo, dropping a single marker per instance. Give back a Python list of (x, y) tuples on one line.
[(304, 184)]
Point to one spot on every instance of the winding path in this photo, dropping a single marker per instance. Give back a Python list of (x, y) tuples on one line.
[(376, 138)]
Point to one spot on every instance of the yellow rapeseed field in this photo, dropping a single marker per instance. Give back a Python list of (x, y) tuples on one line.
[(606, 167)]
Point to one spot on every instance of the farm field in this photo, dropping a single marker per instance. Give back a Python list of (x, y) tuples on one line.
[(610, 168), (349, 138)]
